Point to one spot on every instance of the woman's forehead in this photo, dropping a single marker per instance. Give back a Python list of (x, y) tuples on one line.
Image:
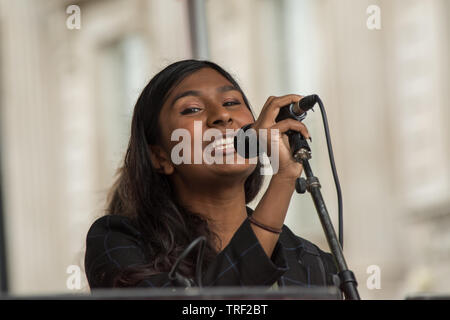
[(203, 78)]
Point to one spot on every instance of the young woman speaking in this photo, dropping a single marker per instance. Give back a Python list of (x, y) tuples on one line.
[(157, 208)]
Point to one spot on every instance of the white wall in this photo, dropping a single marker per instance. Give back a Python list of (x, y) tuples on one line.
[(67, 96)]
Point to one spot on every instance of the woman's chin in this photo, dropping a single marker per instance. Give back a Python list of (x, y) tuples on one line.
[(228, 157), (229, 164), (233, 169)]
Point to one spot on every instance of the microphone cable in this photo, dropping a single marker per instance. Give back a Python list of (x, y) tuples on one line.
[(175, 276), (333, 169), (298, 112)]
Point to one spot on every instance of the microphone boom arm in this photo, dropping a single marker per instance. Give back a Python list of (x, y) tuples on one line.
[(301, 152), (348, 281)]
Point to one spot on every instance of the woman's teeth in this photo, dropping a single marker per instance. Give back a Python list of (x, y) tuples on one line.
[(225, 146), (223, 143)]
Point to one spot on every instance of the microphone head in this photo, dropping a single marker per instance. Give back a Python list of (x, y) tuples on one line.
[(246, 143), (306, 103), (297, 112)]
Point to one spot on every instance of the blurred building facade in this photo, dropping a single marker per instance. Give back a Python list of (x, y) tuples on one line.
[(67, 97)]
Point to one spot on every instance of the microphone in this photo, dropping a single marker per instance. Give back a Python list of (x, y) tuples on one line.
[(298, 109), (306, 103), (295, 111)]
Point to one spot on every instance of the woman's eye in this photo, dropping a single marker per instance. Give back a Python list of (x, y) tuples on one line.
[(231, 103), (188, 110)]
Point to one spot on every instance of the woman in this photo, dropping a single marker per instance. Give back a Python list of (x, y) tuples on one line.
[(157, 208)]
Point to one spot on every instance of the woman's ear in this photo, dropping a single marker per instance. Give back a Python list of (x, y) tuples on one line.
[(161, 160)]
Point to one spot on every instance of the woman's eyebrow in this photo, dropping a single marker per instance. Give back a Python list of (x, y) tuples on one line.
[(226, 88), (196, 93)]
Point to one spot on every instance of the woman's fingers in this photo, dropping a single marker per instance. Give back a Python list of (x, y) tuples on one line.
[(292, 124), (272, 107)]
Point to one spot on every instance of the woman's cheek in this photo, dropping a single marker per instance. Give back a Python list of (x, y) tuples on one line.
[(184, 147)]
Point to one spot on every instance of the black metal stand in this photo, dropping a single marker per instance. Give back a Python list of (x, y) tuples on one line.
[(302, 153)]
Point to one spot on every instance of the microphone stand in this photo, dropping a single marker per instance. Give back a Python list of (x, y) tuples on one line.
[(302, 154)]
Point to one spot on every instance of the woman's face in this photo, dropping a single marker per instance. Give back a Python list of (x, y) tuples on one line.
[(211, 101)]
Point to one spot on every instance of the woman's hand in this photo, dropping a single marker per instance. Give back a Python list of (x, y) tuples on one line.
[(288, 167), (272, 208)]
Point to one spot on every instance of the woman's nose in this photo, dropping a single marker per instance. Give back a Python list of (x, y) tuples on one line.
[(218, 115)]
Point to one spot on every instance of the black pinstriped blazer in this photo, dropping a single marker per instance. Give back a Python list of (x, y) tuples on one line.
[(113, 243)]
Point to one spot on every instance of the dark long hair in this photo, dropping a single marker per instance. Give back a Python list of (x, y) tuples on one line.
[(146, 196)]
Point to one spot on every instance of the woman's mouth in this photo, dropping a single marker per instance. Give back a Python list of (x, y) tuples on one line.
[(223, 146)]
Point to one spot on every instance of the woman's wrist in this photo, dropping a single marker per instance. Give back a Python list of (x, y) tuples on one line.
[(284, 178), (273, 206)]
